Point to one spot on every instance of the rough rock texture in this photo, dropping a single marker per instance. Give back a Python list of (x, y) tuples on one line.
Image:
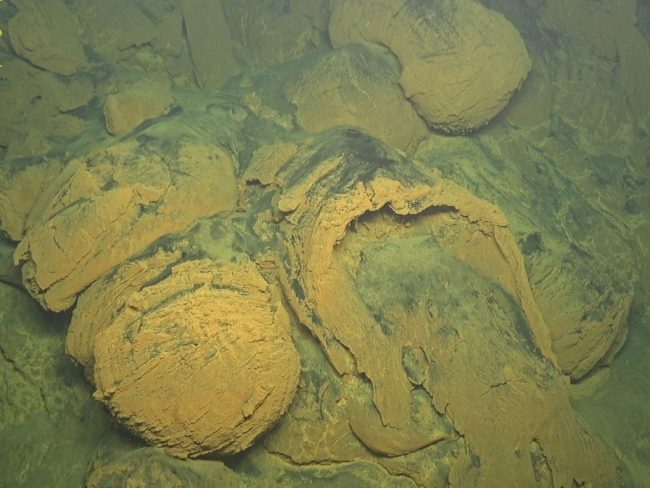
[(621, 42), (211, 47), (318, 431), (36, 104), (21, 185), (580, 266), (114, 27), (49, 422), (602, 147), (45, 33), (84, 223), (149, 467), (461, 62), (272, 32), (595, 72), (598, 125), (33, 365), (127, 109), (356, 86), (412, 281), (193, 356)]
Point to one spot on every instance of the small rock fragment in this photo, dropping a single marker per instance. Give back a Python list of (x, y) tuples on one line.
[(127, 109)]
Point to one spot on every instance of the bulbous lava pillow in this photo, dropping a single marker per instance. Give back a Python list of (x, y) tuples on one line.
[(461, 62), (112, 204), (194, 356)]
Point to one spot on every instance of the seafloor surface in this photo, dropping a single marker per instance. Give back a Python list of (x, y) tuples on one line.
[(353, 243)]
